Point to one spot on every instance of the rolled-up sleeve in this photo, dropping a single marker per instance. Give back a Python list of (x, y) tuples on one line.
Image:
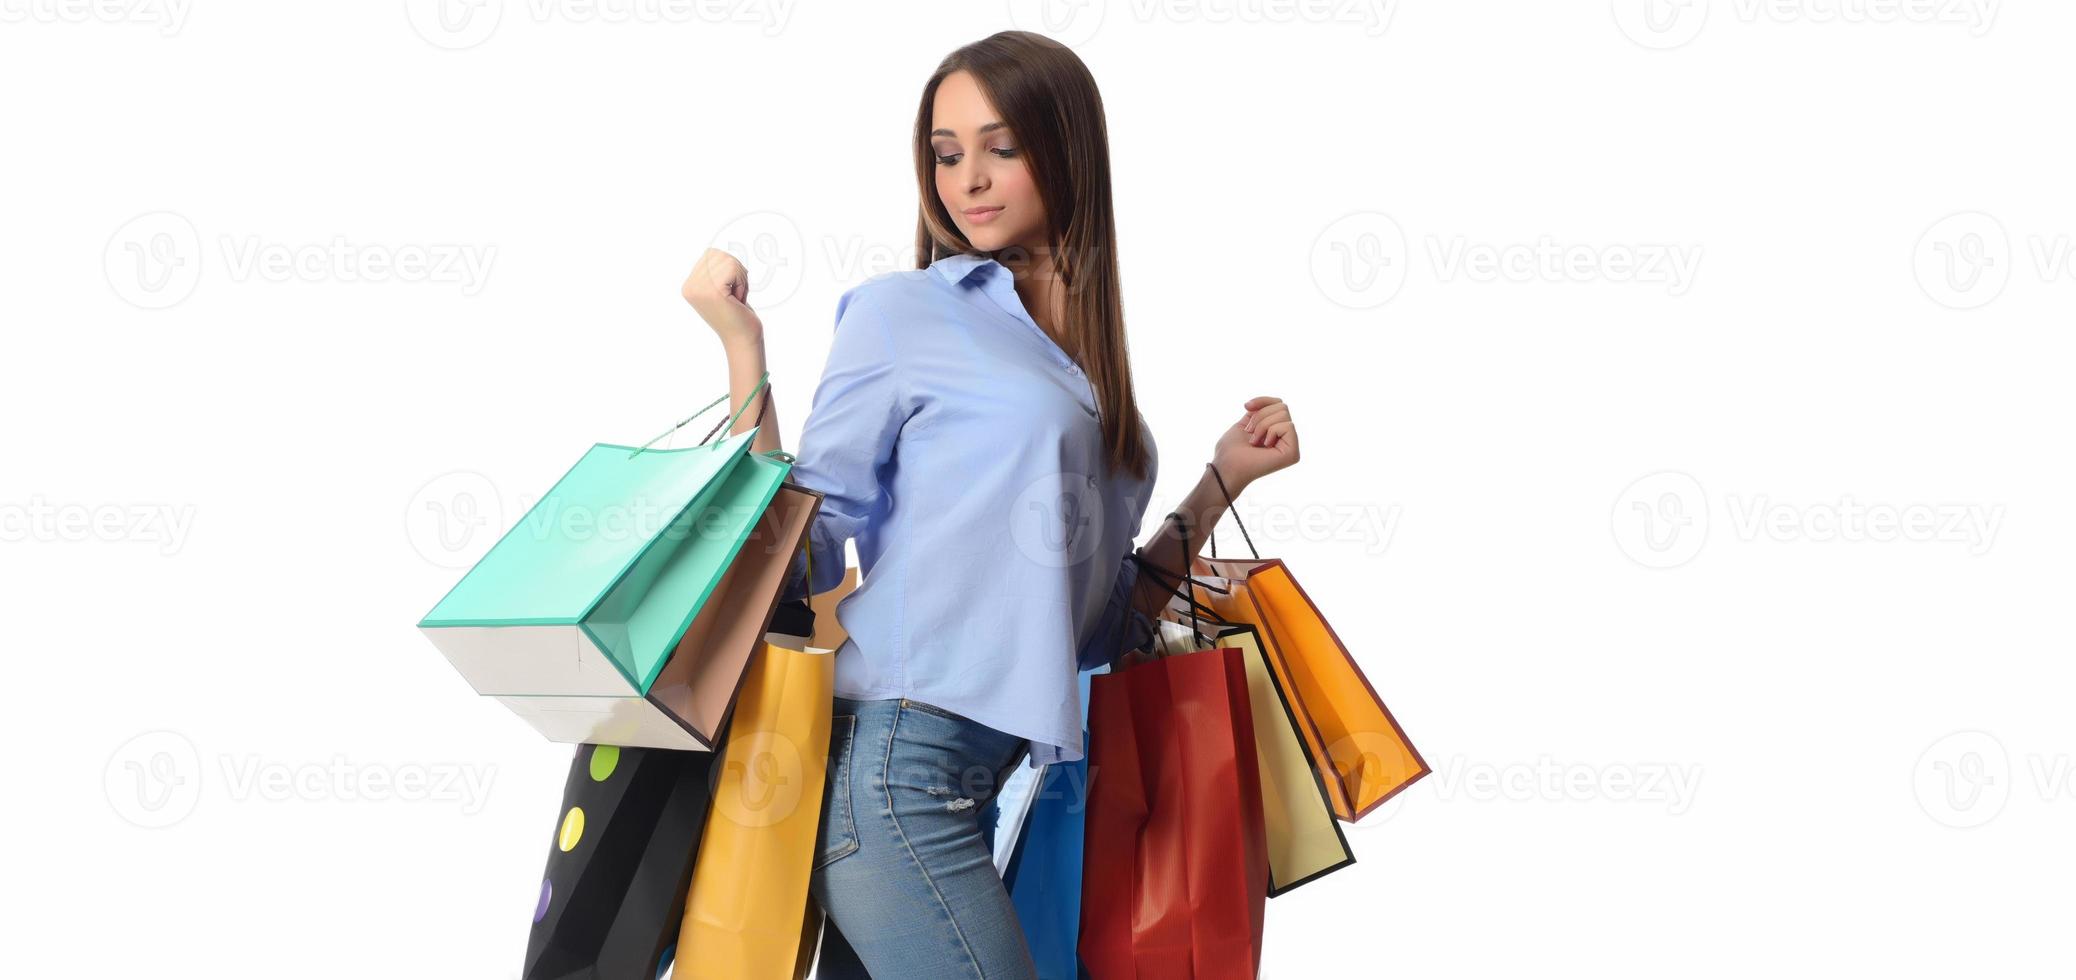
[(1121, 627), (853, 421)]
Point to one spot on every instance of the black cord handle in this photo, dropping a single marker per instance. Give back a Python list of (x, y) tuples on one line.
[(1182, 528), (1212, 547), (1169, 581)]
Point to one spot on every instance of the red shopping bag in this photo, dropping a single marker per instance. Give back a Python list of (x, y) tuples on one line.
[(1175, 869)]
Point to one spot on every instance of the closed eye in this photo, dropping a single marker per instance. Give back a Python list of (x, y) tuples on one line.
[(950, 160)]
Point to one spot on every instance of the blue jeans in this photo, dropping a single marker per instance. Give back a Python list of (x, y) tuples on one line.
[(903, 867)]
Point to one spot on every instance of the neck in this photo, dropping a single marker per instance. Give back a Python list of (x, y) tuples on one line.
[(1038, 285)]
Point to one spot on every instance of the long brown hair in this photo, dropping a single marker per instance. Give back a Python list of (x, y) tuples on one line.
[(1049, 100)]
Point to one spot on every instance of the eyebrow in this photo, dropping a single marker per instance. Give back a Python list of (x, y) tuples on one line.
[(984, 130)]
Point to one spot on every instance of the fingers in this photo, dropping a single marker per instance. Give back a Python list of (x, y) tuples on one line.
[(1259, 409), (1279, 434), (1261, 424)]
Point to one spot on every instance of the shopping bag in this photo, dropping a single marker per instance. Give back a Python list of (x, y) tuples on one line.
[(621, 858), (622, 608), (829, 632), (628, 832), (1002, 820), (1340, 715), (746, 908), (1043, 870), (810, 940), (1304, 841), (1175, 864)]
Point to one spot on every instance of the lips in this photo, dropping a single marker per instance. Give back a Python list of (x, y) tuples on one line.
[(982, 215)]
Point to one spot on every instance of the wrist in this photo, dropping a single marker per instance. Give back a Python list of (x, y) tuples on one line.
[(1235, 483), (742, 343)]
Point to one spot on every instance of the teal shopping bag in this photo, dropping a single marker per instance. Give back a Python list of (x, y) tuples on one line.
[(580, 616)]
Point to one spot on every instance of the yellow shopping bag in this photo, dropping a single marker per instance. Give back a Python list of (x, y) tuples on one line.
[(747, 913), (1305, 842)]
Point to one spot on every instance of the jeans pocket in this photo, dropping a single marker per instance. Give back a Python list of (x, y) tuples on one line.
[(838, 835), (945, 713)]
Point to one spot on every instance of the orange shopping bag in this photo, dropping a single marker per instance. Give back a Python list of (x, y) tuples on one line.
[(1341, 717)]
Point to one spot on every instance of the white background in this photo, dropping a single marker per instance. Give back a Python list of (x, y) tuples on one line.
[(1730, 609)]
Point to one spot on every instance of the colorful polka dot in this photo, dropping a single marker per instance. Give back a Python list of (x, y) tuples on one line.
[(572, 828), (604, 759), (547, 892)]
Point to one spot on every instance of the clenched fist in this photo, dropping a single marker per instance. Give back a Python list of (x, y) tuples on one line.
[(718, 287)]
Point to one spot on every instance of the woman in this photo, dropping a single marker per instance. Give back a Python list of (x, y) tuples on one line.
[(975, 432)]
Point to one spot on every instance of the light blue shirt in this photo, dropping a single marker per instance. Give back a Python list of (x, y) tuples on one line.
[(960, 447)]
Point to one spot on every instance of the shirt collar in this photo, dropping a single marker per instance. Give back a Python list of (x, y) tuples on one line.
[(956, 267)]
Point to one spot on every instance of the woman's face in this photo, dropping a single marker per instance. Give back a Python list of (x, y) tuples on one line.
[(981, 174)]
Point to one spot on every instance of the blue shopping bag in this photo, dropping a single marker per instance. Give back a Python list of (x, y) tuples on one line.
[(1044, 872)]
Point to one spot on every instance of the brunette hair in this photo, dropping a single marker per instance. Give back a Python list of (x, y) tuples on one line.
[(1049, 100)]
